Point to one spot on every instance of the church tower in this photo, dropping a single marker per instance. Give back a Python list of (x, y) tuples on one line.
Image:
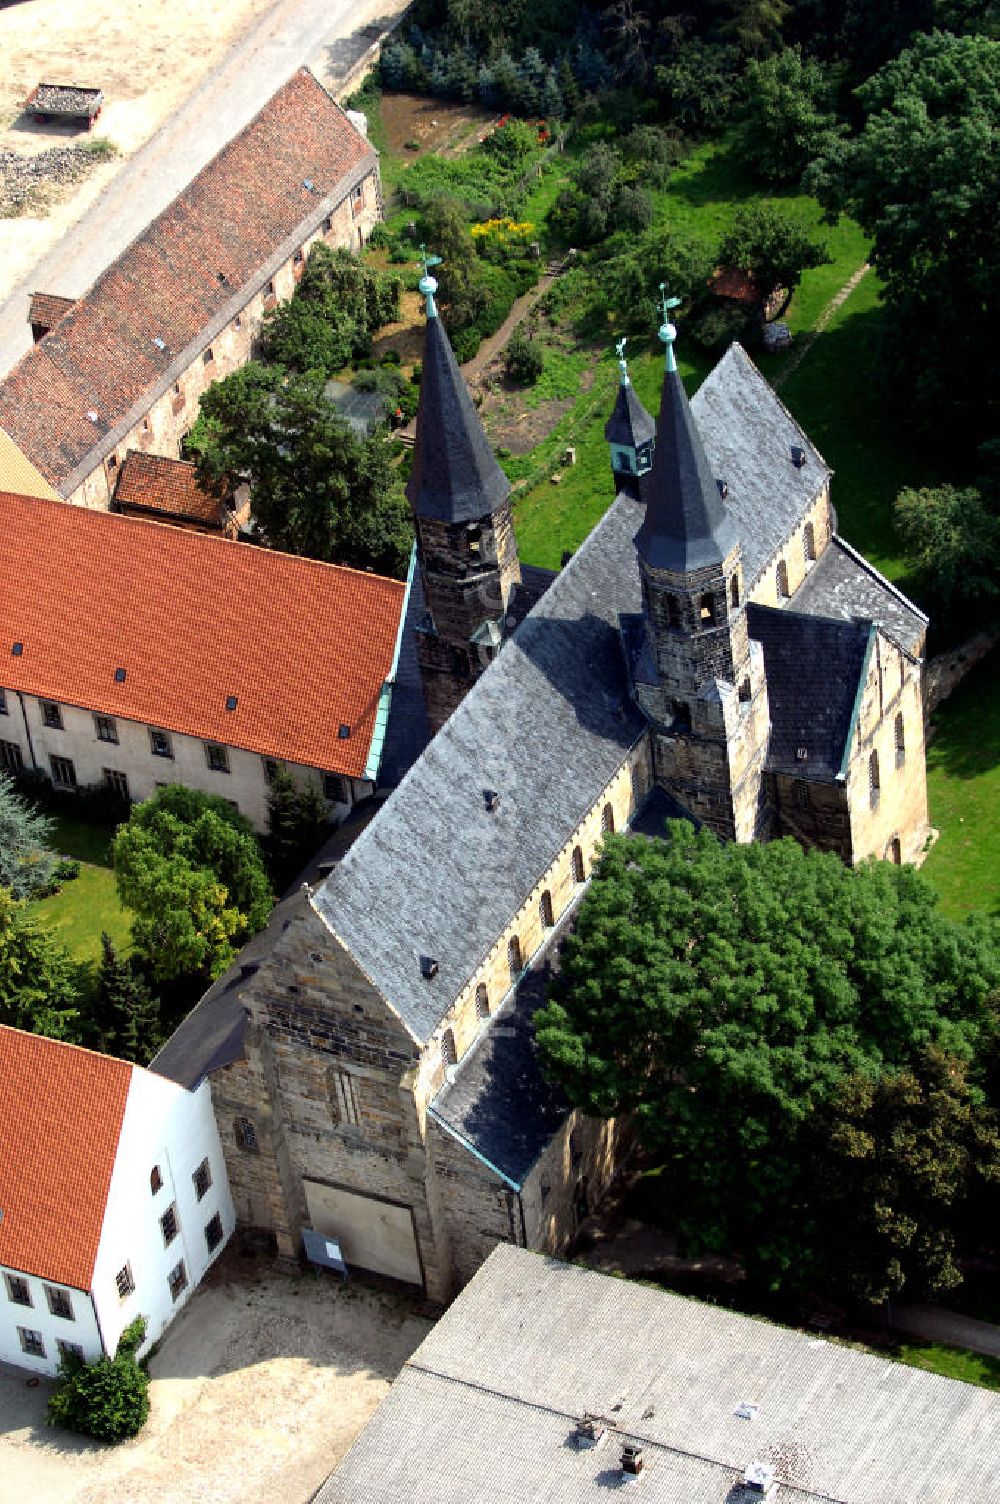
[(698, 678), (465, 535)]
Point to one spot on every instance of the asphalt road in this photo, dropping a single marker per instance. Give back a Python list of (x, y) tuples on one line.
[(328, 35)]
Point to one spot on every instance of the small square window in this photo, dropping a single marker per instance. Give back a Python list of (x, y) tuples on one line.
[(11, 757), (70, 1350), (63, 772), (17, 649), (112, 462), (106, 728), (59, 1302), (202, 1178), (208, 356), (217, 757), (238, 322), (3, 702), (213, 1233), (177, 388), (271, 768), (327, 225), (177, 1280), (17, 1290), (269, 290), (125, 1281), (168, 1225), (160, 744), (31, 1342), (357, 194), (155, 1180), (335, 788), (51, 716), (116, 781), (145, 425)]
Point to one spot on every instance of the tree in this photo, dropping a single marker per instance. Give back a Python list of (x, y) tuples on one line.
[(297, 823), (720, 994), (512, 143), (766, 242), (756, 24), (123, 1015), (525, 359), (316, 489), (952, 536), (39, 984), (921, 179), (107, 1399), (786, 121), (26, 863), (337, 306), (190, 868), (460, 291)]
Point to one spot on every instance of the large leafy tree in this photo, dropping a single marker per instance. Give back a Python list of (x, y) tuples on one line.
[(316, 489), (720, 994), (786, 117), (338, 305), (39, 984), (26, 862), (190, 868), (768, 244), (952, 535), (921, 178)]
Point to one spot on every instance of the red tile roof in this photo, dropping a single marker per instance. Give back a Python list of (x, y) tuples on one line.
[(157, 484), (182, 272), (61, 1111), (48, 308), (732, 283), (194, 619)]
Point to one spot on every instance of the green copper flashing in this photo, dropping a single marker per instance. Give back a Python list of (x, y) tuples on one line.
[(622, 362), (427, 286), (667, 331)]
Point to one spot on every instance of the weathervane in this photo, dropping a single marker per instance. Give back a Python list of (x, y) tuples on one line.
[(622, 363), (428, 284), (667, 331)]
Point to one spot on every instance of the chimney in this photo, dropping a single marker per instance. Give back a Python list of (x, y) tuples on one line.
[(632, 1463), (760, 1481)]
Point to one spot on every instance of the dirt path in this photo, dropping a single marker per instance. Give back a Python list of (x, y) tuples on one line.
[(808, 340)]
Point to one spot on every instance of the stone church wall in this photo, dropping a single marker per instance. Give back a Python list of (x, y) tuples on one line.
[(897, 810), (815, 813), (569, 1179), (820, 516)]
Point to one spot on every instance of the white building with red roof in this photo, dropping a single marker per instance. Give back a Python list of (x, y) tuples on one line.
[(113, 1203)]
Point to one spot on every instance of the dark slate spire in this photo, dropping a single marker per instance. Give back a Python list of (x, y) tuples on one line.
[(630, 425), (687, 527), (455, 476)]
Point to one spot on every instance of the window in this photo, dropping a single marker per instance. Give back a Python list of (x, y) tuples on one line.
[(106, 728), (745, 694), (208, 356), (160, 744), (607, 819), (112, 462), (246, 1135), (514, 958), (734, 591), (545, 910), (896, 851), (682, 716), (168, 1225), (11, 760), (63, 772), (900, 738), (357, 194), (115, 781), (145, 425), (874, 782), (238, 321), (327, 225), (673, 609), (17, 1290), (177, 1280), (482, 1001), (297, 258), (213, 1233), (335, 788), (124, 1281), (51, 716), (59, 1302), (343, 1102), (272, 767), (31, 1342), (706, 611), (3, 702), (579, 870), (782, 580), (155, 1180), (809, 543), (202, 1178), (177, 388), (71, 1350), (449, 1054), (217, 757)]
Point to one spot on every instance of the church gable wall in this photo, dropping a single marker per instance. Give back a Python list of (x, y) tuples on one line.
[(886, 775)]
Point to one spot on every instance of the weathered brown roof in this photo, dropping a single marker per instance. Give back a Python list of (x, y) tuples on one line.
[(180, 281), (47, 308), (155, 485), (730, 282)]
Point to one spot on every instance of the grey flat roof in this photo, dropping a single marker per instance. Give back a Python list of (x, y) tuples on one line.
[(843, 584), (485, 1408)]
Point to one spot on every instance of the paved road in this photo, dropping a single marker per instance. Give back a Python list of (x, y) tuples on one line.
[(329, 35), (936, 1325)]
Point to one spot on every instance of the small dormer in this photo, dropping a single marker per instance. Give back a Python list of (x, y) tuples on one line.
[(630, 432)]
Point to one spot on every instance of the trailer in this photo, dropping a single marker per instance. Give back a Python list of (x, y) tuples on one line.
[(64, 104)]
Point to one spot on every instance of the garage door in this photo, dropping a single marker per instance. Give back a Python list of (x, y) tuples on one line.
[(372, 1234)]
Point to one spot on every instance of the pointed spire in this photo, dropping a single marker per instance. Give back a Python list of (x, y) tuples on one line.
[(687, 527), (630, 425), (455, 476)]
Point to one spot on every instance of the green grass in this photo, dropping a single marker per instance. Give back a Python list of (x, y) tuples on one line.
[(952, 1363), (87, 904), (963, 790)]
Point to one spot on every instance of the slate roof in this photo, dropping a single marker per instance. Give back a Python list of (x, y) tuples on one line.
[(844, 585), (18, 474), (686, 526), (61, 1112), (486, 1407), (547, 726), (814, 668), (525, 596), (455, 476), (181, 281), (154, 484), (193, 619), (748, 436), (630, 424)]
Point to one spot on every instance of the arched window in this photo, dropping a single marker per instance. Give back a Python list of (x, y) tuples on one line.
[(673, 608), (514, 958), (896, 851), (155, 1179), (809, 543), (734, 591), (782, 581), (482, 1001), (607, 819), (545, 910), (449, 1055), (706, 611), (682, 716), (745, 690), (900, 741), (579, 870), (246, 1135), (874, 782)]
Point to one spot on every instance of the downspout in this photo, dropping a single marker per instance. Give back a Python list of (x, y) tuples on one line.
[(27, 731), (97, 1323)]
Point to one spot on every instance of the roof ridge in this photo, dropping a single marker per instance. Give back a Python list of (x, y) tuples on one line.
[(877, 574)]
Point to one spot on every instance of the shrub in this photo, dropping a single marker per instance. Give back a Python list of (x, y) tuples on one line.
[(66, 869), (390, 358), (109, 1399), (525, 361), (380, 238)]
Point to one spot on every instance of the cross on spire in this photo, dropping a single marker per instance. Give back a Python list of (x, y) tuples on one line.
[(622, 363)]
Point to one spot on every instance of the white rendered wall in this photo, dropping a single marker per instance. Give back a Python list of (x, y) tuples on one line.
[(168, 1126), (38, 1318)]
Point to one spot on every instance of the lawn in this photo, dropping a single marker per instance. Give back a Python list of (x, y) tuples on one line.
[(87, 904), (952, 1363), (963, 788)]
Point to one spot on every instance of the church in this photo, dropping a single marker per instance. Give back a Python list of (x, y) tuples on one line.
[(712, 650)]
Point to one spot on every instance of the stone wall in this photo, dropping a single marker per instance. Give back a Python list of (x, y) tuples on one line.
[(817, 814), (763, 589), (569, 1179), (891, 711)]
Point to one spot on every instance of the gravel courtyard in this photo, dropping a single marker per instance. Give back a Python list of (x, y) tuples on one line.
[(259, 1388)]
